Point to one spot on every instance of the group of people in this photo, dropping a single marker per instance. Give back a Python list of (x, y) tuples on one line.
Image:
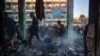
[(11, 28)]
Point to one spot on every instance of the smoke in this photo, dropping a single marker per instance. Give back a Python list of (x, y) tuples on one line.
[(70, 37)]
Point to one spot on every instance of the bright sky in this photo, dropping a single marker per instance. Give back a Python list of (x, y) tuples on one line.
[(81, 7)]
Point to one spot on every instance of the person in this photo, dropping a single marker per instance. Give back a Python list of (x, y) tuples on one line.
[(9, 28), (77, 29), (60, 28), (33, 29)]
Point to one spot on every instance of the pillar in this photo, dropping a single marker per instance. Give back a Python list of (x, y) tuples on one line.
[(93, 18), (22, 18), (98, 38), (70, 17), (2, 5), (2, 8), (70, 14)]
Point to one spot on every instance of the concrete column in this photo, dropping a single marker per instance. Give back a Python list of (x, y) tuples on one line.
[(70, 14), (2, 5), (93, 18), (98, 38), (2, 8), (70, 18), (22, 17)]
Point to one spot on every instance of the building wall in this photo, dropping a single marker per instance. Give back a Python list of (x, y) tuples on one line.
[(12, 8)]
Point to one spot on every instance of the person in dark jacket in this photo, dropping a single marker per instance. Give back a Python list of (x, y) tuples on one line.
[(10, 28), (33, 30)]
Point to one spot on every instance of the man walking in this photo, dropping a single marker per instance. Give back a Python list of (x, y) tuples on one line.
[(33, 30)]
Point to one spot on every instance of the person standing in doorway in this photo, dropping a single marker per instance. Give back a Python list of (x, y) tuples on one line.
[(33, 29)]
